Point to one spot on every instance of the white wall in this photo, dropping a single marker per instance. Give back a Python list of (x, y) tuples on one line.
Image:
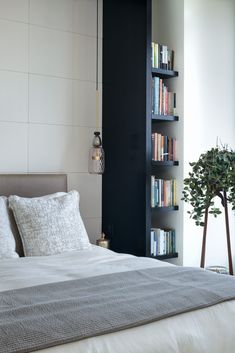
[(47, 93), (168, 28), (202, 33), (209, 107)]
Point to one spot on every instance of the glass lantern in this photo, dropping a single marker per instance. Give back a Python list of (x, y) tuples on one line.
[(96, 156)]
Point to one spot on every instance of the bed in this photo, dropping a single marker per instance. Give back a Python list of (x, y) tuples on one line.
[(207, 330)]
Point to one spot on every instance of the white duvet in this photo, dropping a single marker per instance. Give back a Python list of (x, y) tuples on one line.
[(209, 330)]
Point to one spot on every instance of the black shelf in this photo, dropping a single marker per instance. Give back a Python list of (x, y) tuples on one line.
[(128, 94), (164, 73), (167, 256), (164, 163), (165, 209), (162, 118)]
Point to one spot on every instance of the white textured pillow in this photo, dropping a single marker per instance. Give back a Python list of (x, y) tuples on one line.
[(7, 241), (50, 225)]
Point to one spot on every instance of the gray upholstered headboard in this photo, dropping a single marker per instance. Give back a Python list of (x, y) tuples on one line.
[(32, 185)]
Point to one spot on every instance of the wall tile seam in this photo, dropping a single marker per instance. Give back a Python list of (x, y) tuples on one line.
[(99, 176), (66, 31), (51, 173), (51, 28), (26, 122), (13, 20), (64, 125), (61, 171), (49, 76), (97, 218), (62, 77), (28, 103)]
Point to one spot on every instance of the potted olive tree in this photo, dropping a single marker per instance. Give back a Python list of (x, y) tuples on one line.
[(213, 175)]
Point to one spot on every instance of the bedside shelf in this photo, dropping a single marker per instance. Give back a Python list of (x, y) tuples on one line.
[(161, 118), (164, 163), (165, 209), (132, 110), (167, 256), (164, 73)]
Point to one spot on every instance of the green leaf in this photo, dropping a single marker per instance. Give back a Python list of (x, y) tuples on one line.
[(212, 174)]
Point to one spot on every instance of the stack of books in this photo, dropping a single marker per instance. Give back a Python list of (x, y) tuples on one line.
[(163, 192), (163, 101), (162, 242), (164, 148), (162, 57)]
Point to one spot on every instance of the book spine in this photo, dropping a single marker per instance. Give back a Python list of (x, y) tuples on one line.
[(160, 56), (164, 57), (162, 242), (152, 191), (159, 147), (174, 192), (169, 193), (173, 241), (157, 192), (152, 242), (170, 157), (153, 95), (153, 146), (165, 148), (162, 148), (170, 242), (155, 244), (166, 101), (172, 59), (174, 103), (157, 240), (160, 96), (162, 192), (170, 103), (167, 242), (157, 55), (152, 56), (156, 95), (168, 59)]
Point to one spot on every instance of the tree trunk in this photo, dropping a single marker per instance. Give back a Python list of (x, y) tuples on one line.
[(230, 262), (204, 238)]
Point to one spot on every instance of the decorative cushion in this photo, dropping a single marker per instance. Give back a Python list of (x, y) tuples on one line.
[(50, 225), (15, 230), (7, 241)]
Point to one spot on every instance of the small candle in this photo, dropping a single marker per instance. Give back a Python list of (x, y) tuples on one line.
[(103, 241)]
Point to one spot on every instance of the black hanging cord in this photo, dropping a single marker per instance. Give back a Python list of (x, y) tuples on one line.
[(97, 42)]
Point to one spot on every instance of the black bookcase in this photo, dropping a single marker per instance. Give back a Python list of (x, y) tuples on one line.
[(127, 125)]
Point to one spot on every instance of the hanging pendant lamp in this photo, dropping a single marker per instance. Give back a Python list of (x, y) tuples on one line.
[(96, 153)]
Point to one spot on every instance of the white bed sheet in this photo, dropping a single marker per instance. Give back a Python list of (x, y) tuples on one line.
[(207, 330)]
